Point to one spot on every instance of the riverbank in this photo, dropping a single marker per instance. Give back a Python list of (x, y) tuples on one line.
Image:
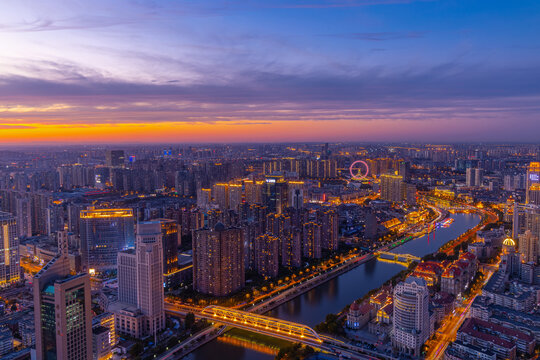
[(311, 307)]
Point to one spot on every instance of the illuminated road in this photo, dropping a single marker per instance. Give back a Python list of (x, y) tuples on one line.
[(447, 333)]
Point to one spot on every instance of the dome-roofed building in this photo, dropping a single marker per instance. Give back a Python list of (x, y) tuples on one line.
[(510, 258), (509, 242)]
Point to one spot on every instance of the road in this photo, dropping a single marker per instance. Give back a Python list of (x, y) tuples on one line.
[(451, 324)]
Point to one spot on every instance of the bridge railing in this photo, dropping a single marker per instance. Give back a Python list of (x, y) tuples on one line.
[(256, 322)]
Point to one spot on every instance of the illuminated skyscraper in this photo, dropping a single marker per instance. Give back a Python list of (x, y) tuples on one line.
[(411, 325), (62, 310), (267, 255), (10, 268), (105, 232), (533, 184), (218, 260)]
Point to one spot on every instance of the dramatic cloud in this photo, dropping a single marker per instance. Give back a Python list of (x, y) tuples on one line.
[(153, 69)]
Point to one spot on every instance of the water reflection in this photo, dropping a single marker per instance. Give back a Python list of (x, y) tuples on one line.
[(311, 308)]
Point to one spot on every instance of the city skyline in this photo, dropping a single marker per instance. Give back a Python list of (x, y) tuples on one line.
[(286, 71)]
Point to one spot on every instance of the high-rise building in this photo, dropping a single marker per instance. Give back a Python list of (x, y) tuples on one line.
[(478, 177), (329, 221), (140, 284), (411, 324), (525, 217), (220, 192), (533, 184), (24, 216), (296, 194), (275, 194), (391, 187), (528, 247), (171, 239), (105, 232), (312, 240), (114, 157), (127, 276), (267, 255), (405, 170), (150, 297), (254, 191), (10, 268), (204, 197), (218, 260), (291, 248), (62, 315), (235, 196), (510, 258), (470, 177)]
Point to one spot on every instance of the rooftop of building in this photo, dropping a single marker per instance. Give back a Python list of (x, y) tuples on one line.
[(490, 331)]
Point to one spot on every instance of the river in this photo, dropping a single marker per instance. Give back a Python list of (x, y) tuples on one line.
[(311, 307)]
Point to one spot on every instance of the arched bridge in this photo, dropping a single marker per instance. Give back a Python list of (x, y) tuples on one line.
[(400, 258), (261, 324)]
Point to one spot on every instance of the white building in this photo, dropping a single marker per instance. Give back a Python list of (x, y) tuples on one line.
[(411, 324)]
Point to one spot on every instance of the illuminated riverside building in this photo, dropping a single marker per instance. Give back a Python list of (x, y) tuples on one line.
[(218, 260), (533, 184), (62, 316), (411, 324), (105, 232), (312, 240), (10, 268), (329, 221), (267, 255), (291, 248)]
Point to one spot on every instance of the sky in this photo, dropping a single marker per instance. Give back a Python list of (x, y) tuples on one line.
[(138, 71)]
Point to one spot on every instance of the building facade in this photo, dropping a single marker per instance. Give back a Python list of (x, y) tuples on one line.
[(105, 232), (218, 260)]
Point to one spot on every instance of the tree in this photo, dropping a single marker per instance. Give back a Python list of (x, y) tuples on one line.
[(190, 320)]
